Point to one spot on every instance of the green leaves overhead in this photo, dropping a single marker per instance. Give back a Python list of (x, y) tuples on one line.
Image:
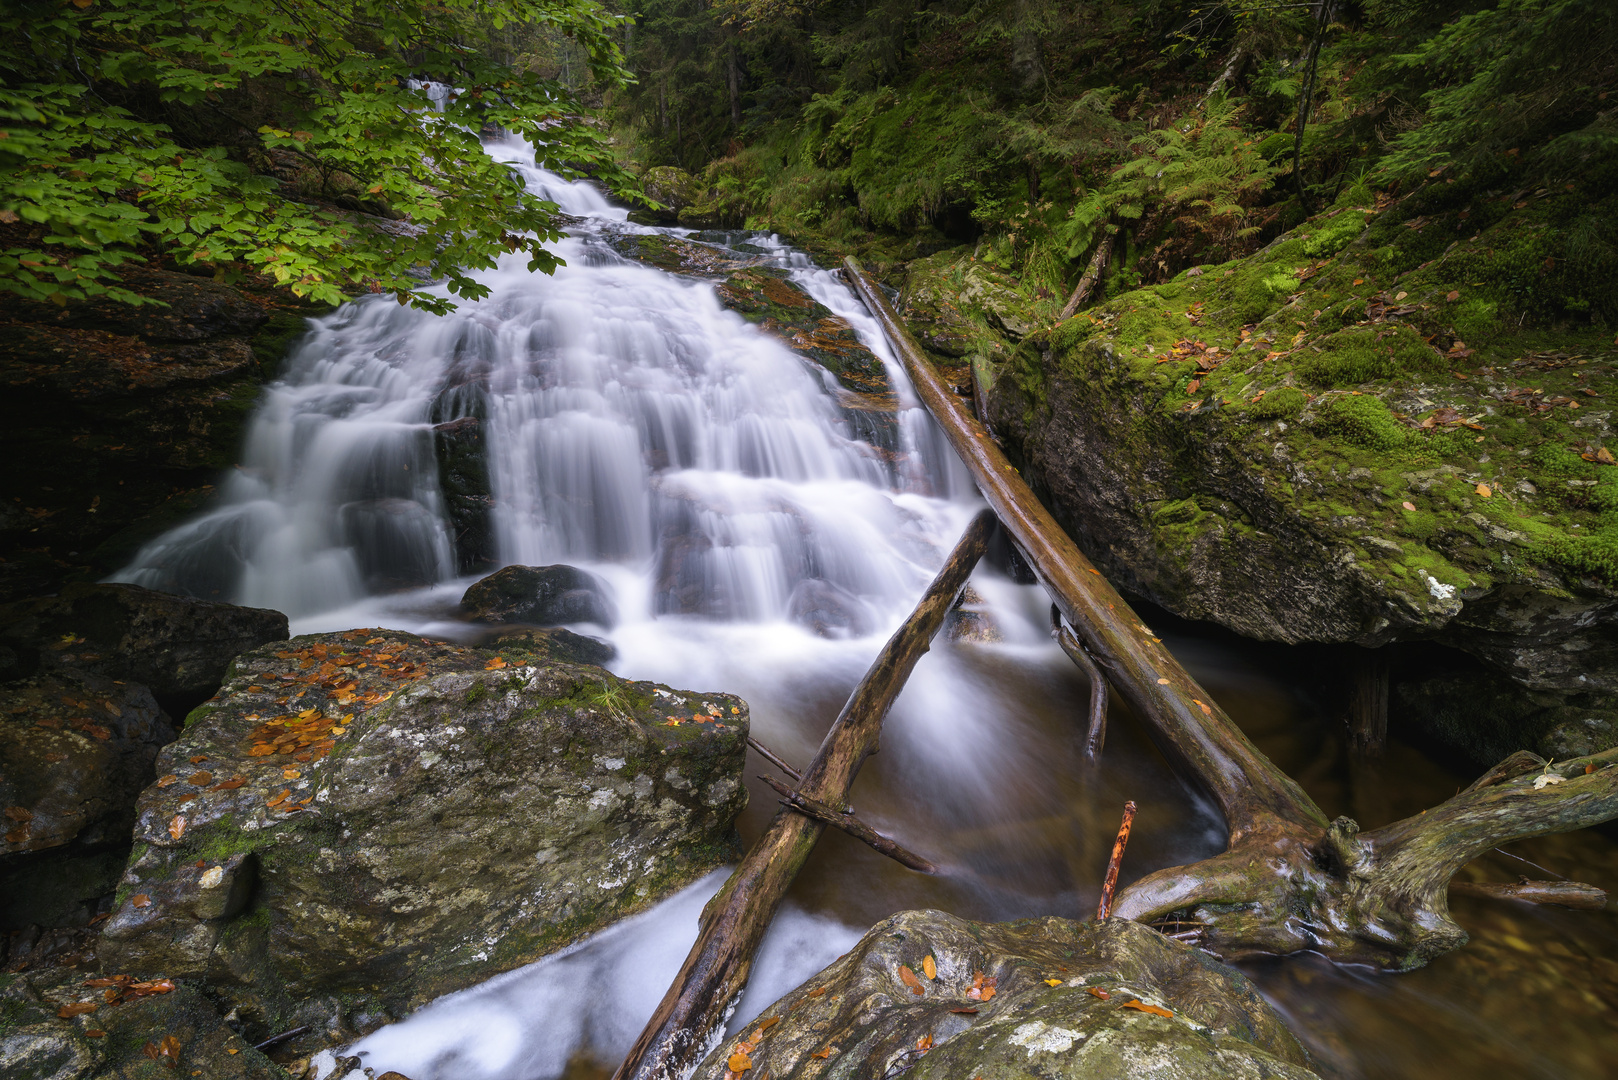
[(281, 138)]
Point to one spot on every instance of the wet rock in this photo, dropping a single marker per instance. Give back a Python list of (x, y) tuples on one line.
[(402, 817), (110, 1042), (541, 595), (971, 619), (829, 609), (176, 645), (463, 477), (958, 306), (863, 1017), (75, 751), (118, 419), (555, 643), (765, 296), (677, 255)]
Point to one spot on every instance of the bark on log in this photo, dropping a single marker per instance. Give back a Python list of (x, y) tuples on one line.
[(1290, 880), (690, 1019), (1092, 273), (853, 826), (1573, 894)]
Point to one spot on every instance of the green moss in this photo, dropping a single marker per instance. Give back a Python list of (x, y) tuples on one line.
[(1334, 236), (476, 693), (1364, 420), (1359, 355), (1280, 404)]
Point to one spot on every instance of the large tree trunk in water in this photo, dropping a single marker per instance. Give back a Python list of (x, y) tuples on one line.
[(692, 1014), (1290, 879)]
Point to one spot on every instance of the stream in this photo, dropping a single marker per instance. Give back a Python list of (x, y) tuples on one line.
[(642, 432)]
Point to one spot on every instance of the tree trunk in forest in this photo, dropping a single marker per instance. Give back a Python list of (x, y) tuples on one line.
[(693, 1012), (733, 73), (1290, 879), (1092, 273), (1323, 12)]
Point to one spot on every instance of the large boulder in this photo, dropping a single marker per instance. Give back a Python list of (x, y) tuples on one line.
[(541, 596), (678, 255), (382, 816), (932, 995), (178, 646)]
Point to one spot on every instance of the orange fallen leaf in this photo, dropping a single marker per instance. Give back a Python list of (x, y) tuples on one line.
[(1410, 506), (198, 759), (1203, 706), (1162, 682), (928, 967), (1485, 490), (910, 980), (1604, 456), (495, 664), (739, 1063), (1141, 1006), (177, 826), (1590, 768), (766, 1024), (69, 1011), (966, 1011), (925, 1043), (261, 750), (1453, 295), (817, 991), (1097, 992), (140, 899), (200, 779), (165, 781), (1053, 982), (823, 1053), (279, 799), (231, 784), (987, 993)]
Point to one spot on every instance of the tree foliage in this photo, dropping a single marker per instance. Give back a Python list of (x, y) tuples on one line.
[(292, 138)]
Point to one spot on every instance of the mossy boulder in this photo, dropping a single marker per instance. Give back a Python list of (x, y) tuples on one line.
[(381, 816), (541, 596), (936, 996), (675, 188), (678, 255), (1303, 447), (766, 296)]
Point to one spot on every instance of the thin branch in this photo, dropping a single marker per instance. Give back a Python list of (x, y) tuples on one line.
[(853, 826)]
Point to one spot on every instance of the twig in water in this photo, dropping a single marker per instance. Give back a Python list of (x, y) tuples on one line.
[(765, 753), (1108, 887), (853, 826), (1530, 862), (281, 1038)]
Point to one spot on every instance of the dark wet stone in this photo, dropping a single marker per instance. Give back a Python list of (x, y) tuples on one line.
[(176, 645), (829, 609), (541, 595), (555, 643), (764, 295), (463, 476)]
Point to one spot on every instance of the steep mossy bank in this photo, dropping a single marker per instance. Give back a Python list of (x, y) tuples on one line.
[(1390, 423)]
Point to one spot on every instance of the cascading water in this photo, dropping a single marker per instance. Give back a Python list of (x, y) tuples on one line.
[(635, 428)]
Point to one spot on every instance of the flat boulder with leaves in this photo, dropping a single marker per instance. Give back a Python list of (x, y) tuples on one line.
[(928, 994), (380, 814)]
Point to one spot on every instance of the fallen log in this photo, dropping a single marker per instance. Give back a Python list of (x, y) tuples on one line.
[(1092, 273), (691, 1017), (853, 826), (1573, 894), (1290, 879)]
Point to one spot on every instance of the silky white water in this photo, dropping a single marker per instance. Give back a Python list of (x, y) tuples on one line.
[(639, 430)]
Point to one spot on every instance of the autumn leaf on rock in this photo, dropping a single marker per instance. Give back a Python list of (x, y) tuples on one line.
[(495, 664), (1141, 1006), (929, 968), (739, 1063), (68, 1011), (177, 826), (823, 1053), (200, 779), (1097, 992), (910, 980), (1053, 982)]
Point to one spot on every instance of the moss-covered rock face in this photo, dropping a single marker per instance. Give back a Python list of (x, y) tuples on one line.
[(374, 813), (676, 255), (1342, 439), (941, 997)]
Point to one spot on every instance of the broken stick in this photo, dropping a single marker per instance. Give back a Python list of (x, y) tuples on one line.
[(1573, 894), (1104, 909), (1097, 735), (853, 826), (715, 972), (768, 755)]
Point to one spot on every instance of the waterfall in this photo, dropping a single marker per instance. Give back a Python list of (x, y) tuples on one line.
[(633, 426)]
